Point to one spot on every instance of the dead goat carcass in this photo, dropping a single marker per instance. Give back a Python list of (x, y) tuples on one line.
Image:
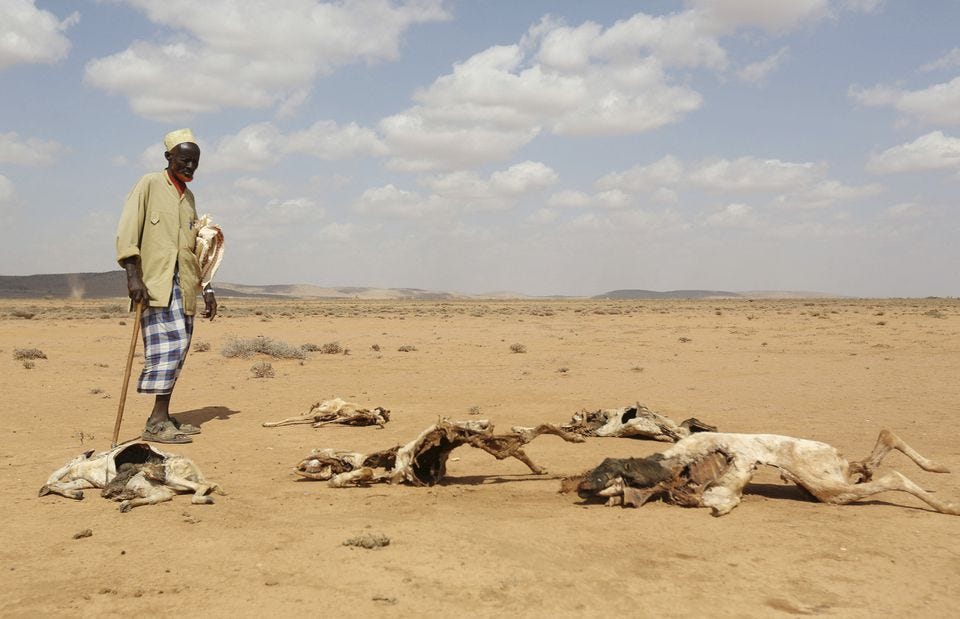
[(336, 411), (711, 470), (636, 421), (423, 461), (133, 474)]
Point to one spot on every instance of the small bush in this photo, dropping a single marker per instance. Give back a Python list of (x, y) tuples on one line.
[(407, 348), (518, 348), (375, 348), (310, 347), (28, 364), (28, 353), (474, 410), (331, 348), (201, 346), (22, 314), (263, 369), (247, 347)]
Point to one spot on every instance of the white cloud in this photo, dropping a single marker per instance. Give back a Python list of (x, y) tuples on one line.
[(251, 55), (905, 211), (292, 211), (257, 186), (948, 61), (748, 174), (568, 198), (260, 145), (734, 215), (938, 104), (757, 72), (393, 202), (826, 194), (32, 35), (466, 191), (336, 233), (28, 152), (567, 81), (7, 191), (667, 171), (933, 151)]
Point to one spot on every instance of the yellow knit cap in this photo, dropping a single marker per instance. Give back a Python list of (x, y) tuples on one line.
[(178, 137)]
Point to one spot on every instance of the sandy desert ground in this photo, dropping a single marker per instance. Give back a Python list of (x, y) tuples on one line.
[(493, 539)]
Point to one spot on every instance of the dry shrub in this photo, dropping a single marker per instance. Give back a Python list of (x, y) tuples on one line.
[(407, 348), (263, 369), (247, 347), (22, 314), (28, 353), (331, 348), (28, 364), (518, 348), (201, 346)]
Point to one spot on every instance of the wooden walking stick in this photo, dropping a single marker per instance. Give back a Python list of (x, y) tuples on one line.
[(126, 374)]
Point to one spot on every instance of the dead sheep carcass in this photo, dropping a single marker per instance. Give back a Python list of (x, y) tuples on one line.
[(636, 421), (422, 461), (711, 470), (336, 411), (134, 474)]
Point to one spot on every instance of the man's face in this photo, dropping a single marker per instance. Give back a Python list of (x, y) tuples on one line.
[(183, 160)]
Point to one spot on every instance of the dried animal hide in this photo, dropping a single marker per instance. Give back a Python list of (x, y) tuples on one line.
[(336, 411), (636, 421), (422, 461), (711, 470), (208, 248), (134, 474)]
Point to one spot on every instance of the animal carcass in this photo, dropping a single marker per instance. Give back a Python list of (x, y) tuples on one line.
[(134, 474), (635, 421), (336, 411), (711, 470), (422, 461)]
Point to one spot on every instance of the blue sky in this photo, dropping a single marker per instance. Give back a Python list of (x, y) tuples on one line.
[(537, 147)]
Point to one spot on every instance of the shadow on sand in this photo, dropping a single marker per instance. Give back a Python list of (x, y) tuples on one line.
[(200, 416)]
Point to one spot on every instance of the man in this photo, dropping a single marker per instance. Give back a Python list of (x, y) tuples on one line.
[(155, 245)]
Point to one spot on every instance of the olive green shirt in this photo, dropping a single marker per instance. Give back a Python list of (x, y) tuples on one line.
[(157, 224)]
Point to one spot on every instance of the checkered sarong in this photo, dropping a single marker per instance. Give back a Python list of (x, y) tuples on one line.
[(166, 341)]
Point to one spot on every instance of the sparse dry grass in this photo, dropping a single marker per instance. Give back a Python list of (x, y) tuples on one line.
[(28, 353), (247, 347)]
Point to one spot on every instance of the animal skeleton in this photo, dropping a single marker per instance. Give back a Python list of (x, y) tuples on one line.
[(336, 411), (422, 461), (134, 474), (634, 422), (711, 469)]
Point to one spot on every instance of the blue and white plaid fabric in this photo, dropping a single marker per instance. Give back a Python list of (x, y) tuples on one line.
[(166, 341)]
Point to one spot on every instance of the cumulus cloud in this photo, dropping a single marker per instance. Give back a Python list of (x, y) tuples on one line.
[(938, 104), (257, 186), (7, 191), (826, 194), (32, 35), (933, 151), (757, 72), (749, 174), (948, 61), (641, 178), (257, 146), (251, 55), (734, 215), (396, 203), (29, 152)]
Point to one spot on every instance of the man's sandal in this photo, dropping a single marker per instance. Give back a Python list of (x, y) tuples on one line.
[(164, 432), (184, 427)]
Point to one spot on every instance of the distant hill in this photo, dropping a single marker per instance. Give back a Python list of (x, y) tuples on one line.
[(64, 286), (113, 284), (668, 294)]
